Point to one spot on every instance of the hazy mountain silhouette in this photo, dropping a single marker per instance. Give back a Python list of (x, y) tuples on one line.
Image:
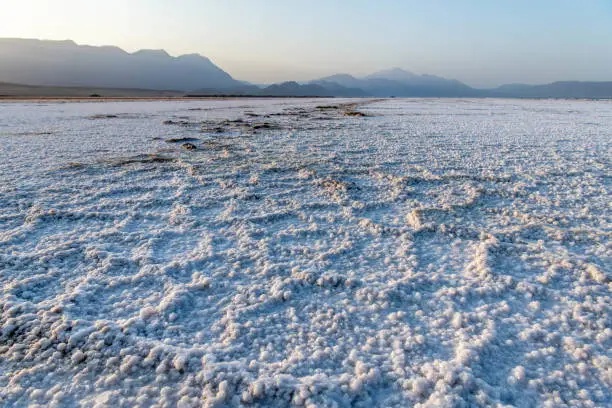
[(64, 63), (562, 89), (293, 88), (345, 80), (394, 74), (399, 82), (290, 88), (402, 83)]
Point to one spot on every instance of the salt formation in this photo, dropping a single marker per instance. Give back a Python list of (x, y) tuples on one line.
[(427, 253)]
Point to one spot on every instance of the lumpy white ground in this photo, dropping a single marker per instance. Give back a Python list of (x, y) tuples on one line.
[(434, 253)]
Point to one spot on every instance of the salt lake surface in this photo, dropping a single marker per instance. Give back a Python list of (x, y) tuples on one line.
[(432, 253)]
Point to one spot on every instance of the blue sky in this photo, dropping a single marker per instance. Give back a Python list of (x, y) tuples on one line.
[(483, 43)]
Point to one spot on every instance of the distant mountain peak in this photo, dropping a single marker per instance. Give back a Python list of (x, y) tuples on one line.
[(342, 75), (192, 57), (394, 74), (110, 48), (152, 53), (66, 42), (397, 70)]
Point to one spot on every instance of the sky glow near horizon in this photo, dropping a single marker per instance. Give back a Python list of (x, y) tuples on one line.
[(482, 43)]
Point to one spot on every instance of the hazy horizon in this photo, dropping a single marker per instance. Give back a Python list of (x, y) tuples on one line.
[(477, 42)]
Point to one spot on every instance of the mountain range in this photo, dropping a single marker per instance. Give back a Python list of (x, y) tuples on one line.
[(398, 82), (47, 66), (64, 63)]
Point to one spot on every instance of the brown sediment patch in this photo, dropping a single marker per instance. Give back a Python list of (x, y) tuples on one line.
[(28, 134), (182, 140), (103, 116), (349, 108), (300, 112), (153, 158), (264, 125), (141, 159), (237, 125), (177, 122), (355, 113), (189, 146)]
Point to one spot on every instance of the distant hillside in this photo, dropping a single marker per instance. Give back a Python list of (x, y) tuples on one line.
[(402, 83), (322, 89), (64, 63), (290, 88), (565, 89), (394, 74), (336, 89)]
